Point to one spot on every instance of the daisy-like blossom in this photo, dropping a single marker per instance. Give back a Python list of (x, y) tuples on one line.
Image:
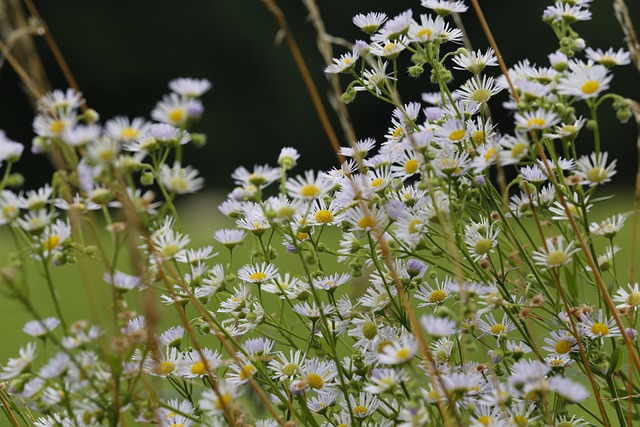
[(364, 406), (593, 169), (609, 227), (586, 80), (370, 22), (438, 326), (258, 273), (332, 282), (429, 29), (18, 365), (445, 7), (610, 58), (180, 180), (123, 129), (437, 295), (344, 64), (195, 365), (475, 61), (399, 351), (319, 374), (491, 326), (599, 327), (40, 328), (481, 240), (565, 12), (538, 119), (478, 91), (214, 402), (555, 254), (122, 281), (560, 342), (58, 100), (287, 367), (190, 87), (569, 390), (176, 110), (395, 27), (629, 299)]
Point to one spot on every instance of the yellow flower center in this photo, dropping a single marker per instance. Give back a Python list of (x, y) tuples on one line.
[(129, 133), (176, 116), (557, 258), (497, 329), (369, 330), (169, 251), (107, 154), (360, 411), (315, 381), (633, 299), (397, 132), (521, 420), (309, 190), (484, 420), (178, 184), (415, 226), (590, 87), (563, 347), (382, 345), (367, 222), (536, 122), (324, 216), (517, 150), (389, 47), (411, 166), (437, 296), (165, 368), (246, 372), (483, 246), (378, 182), (9, 211), (480, 95), (51, 243), (198, 368), (600, 329), (490, 154), (403, 353), (597, 174), (258, 276), (302, 235), (223, 401), (456, 135), (57, 126), (424, 32), (290, 369)]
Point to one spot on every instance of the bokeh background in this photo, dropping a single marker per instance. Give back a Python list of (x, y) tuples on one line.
[(123, 53)]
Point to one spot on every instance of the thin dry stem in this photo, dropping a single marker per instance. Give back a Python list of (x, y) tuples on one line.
[(273, 8), (635, 108), (622, 14)]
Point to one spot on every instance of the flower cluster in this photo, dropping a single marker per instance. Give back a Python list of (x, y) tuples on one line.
[(401, 288)]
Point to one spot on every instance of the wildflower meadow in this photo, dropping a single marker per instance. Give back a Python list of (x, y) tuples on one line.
[(455, 271)]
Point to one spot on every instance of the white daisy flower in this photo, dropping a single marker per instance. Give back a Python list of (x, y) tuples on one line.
[(19, 365), (538, 119), (258, 273), (478, 91), (56, 101), (567, 13), (560, 342), (610, 58), (593, 169), (213, 403), (445, 7), (429, 29), (629, 300), (569, 390), (189, 87), (370, 22), (609, 227), (41, 328), (284, 368), (599, 327), (438, 326), (344, 64), (193, 365), (122, 281), (491, 326), (399, 351), (584, 81), (475, 62), (180, 180), (555, 254), (123, 129), (318, 373)]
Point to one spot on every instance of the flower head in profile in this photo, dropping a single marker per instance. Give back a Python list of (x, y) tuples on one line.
[(554, 254)]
